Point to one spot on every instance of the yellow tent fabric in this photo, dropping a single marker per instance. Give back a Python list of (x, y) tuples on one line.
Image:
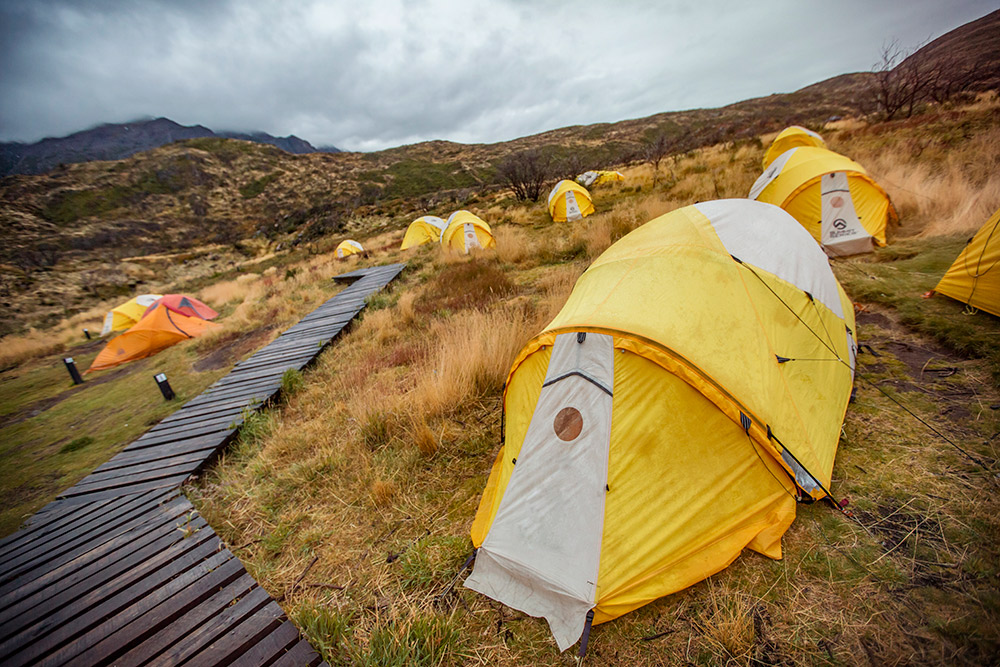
[(974, 277), (569, 201), (466, 231), (591, 178), (348, 248), (604, 177), (793, 182), (425, 229), (714, 401), (156, 331), (792, 137), (123, 316)]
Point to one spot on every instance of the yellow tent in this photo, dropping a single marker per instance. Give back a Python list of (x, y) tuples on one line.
[(466, 231), (792, 137), (973, 278), (348, 248), (123, 316), (832, 196), (590, 178), (425, 229), (645, 446), (569, 201), (157, 331)]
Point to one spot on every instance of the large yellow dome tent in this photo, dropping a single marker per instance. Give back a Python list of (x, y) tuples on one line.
[(791, 137), (974, 277), (569, 201), (157, 331), (348, 248), (123, 316), (466, 231), (646, 447), (425, 229), (832, 196)]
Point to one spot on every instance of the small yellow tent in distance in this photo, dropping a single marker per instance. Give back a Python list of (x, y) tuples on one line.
[(974, 277), (591, 178), (645, 447), (832, 196), (466, 231), (158, 330), (123, 316), (791, 137), (425, 229), (348, 248), (569, 201)]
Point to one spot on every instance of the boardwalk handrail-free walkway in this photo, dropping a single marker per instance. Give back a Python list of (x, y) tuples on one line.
[(121, 569)]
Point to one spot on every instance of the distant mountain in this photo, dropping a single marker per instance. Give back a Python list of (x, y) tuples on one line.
[(116, 141)]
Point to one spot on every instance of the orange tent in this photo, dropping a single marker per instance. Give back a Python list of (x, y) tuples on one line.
[(185, 305), (156, 331)]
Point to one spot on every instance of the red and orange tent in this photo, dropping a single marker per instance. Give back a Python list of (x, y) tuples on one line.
[(185, 305), (158, 329)]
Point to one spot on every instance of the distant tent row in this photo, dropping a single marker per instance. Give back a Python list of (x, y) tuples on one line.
[(973, 277), (646, 447), (463, 231), (830, 195), (166, 321)]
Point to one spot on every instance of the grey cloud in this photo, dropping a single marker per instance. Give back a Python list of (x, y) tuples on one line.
[(374, 74)]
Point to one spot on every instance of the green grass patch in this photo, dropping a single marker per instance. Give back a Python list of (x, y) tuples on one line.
[(76, 444), (257, 186), (902, 273)]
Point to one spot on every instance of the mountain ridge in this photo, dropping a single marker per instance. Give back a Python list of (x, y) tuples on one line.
[(115, 141)]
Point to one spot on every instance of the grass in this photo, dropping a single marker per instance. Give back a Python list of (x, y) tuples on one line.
[(900, 275)]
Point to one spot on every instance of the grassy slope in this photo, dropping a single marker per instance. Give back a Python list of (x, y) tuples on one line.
[(375, 468)]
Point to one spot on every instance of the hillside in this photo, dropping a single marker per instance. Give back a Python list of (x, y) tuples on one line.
[(113, 141), (100, 229)]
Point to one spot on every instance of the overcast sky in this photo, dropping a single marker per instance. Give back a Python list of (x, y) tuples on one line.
[(371, 74)]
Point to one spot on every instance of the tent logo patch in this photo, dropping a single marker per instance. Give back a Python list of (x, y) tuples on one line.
[(568, 424)]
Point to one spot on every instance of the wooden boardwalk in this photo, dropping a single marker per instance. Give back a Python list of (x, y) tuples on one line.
[(121, 569)]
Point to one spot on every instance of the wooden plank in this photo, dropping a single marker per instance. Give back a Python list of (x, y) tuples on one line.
[(217, 432), (241, 638), (270, 647), (60, 521), (67, 642), (164, 638), (297, 656), (104, 577), (127, 477), (81, 538), (209, 632), (153, 461), (62, 624), (164, 618), (165, 483)]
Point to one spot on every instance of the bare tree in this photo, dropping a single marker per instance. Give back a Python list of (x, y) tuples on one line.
[(525, 173), (654, 152), (899, 81)]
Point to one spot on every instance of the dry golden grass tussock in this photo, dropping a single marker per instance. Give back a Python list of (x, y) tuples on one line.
[(514, 245), (470, 356)]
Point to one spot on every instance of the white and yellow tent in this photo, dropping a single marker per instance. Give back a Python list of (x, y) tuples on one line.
[(591, 178), (425, 229), (974, 277), (124, 315), (789, 138), (466, 231), (569, 201), (832, 196), (647, 446), (348, 248)]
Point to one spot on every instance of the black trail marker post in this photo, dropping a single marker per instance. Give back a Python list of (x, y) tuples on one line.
[(161, 382), (73, 372), (86, 332)]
